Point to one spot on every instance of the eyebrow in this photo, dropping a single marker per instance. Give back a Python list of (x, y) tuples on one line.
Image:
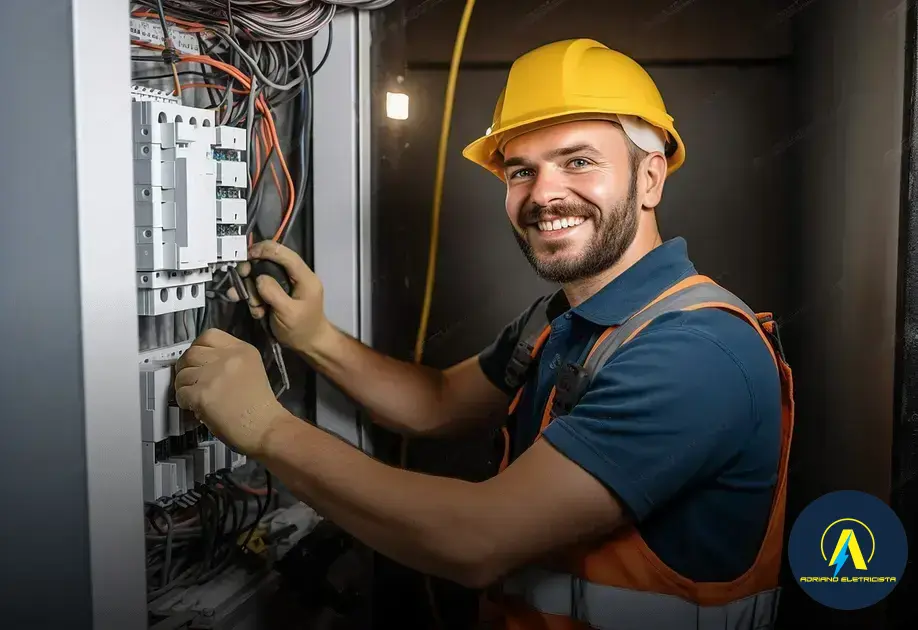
[(553, 154)]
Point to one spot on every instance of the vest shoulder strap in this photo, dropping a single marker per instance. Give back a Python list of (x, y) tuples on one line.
[(574, 380), (530, 343)]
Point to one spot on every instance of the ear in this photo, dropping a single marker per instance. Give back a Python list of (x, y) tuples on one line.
[(652, 175)]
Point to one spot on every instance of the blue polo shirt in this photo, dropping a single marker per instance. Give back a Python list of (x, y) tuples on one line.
[(683, 424)]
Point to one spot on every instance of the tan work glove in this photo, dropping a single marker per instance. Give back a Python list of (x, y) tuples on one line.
[(297, 320), (223, 382)]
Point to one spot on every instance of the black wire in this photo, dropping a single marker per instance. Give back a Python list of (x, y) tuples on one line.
[(261, 511), (162, 19), (210, 91), (155, 525), (328, 47), (149, 77), (305, 150), (168, 560), (229, 18)]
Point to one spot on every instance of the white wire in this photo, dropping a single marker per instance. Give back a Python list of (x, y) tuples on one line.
[(366, 5), (274, 20)]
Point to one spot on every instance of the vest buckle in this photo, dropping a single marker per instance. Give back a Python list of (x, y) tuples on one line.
[(573, 382), (518, 366)]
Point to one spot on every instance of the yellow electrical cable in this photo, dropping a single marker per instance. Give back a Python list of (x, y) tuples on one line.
[(435, 233), (441, 172)]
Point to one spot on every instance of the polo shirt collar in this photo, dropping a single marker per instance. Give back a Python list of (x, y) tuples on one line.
[(658, 270)]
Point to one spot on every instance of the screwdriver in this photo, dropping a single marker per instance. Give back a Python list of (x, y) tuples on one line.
[(246, 290)]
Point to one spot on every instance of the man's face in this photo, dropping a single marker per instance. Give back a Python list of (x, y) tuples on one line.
[(571, 198)]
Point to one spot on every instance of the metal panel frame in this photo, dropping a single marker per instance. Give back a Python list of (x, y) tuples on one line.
[(342, 228), (71, 397), (108, 295), (904, 496)]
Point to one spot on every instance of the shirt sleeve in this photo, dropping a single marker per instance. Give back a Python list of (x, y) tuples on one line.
[(670, 409), (495, 358)]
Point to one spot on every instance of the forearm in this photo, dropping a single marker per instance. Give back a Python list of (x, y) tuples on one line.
[(428, 523), (400, 396)]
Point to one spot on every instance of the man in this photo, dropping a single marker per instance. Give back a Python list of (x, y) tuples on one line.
[(656, 495)]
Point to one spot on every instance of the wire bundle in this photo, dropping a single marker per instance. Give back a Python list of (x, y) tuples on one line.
[(246, 82), (195, 538), (268, 20)]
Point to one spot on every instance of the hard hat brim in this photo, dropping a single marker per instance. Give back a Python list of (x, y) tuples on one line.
[(483, 151)]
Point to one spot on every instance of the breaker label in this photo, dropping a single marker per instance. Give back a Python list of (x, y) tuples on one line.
[(151, 32)]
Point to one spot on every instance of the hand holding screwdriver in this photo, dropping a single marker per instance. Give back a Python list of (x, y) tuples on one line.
[(296, 317)]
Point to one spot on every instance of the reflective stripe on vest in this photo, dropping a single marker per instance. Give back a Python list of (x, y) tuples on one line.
[(613, 608)]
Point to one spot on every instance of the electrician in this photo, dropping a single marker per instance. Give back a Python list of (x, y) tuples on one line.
[(643, 485)]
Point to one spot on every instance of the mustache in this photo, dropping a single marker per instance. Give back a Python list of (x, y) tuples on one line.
[(533, 214)]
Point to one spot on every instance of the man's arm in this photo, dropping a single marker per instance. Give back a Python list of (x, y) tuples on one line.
[(470, 533), (401, 396), (405, 397), (467, 532)]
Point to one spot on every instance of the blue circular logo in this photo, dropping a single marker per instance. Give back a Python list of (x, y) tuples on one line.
[(847, 550)]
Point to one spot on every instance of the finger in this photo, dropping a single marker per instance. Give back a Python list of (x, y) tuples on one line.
[(186, 397), (285, 257), (195, 356), (187, 377), (244, 268), (214, 338), (232, 295), (272, 293), (256, 305)]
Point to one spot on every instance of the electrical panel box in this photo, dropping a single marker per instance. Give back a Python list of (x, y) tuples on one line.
[(190, 215)]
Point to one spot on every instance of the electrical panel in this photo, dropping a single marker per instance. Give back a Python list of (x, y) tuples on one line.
[(190, 183)]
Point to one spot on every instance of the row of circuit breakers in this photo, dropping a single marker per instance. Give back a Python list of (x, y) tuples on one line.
[(190, 183)]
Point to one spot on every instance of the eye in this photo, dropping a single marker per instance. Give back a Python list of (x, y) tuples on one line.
[(523, 172), (579, 163)]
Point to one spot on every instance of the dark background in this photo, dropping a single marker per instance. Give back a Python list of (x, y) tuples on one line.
[(792, 115)]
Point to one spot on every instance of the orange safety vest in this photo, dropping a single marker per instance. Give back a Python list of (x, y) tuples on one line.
[(620, 583)]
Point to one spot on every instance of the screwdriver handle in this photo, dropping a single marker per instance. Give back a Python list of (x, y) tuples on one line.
[(276, 271)]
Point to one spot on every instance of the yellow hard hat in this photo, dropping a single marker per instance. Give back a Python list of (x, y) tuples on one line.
[(575, 79)]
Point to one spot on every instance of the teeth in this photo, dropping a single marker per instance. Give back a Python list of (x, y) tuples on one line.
[(560, 224)]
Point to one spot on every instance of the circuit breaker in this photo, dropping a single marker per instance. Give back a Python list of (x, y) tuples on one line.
[(190, 184)]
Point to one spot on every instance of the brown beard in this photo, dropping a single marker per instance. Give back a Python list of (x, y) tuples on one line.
[(613, 233)]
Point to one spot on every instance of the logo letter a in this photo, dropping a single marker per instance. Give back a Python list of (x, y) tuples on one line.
[(853, 549)]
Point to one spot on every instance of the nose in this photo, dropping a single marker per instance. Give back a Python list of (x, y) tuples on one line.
[(547, 188)]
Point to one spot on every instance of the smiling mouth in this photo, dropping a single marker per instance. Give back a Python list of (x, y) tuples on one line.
[(558, 225)]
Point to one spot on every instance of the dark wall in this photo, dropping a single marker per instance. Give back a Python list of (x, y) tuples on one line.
[(723, 69), (650, 30), (792, 117), (849, 82)]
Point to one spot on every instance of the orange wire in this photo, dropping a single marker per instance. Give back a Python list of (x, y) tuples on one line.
[(262, 144), (277, 185), (262, 105), (212, 86)]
